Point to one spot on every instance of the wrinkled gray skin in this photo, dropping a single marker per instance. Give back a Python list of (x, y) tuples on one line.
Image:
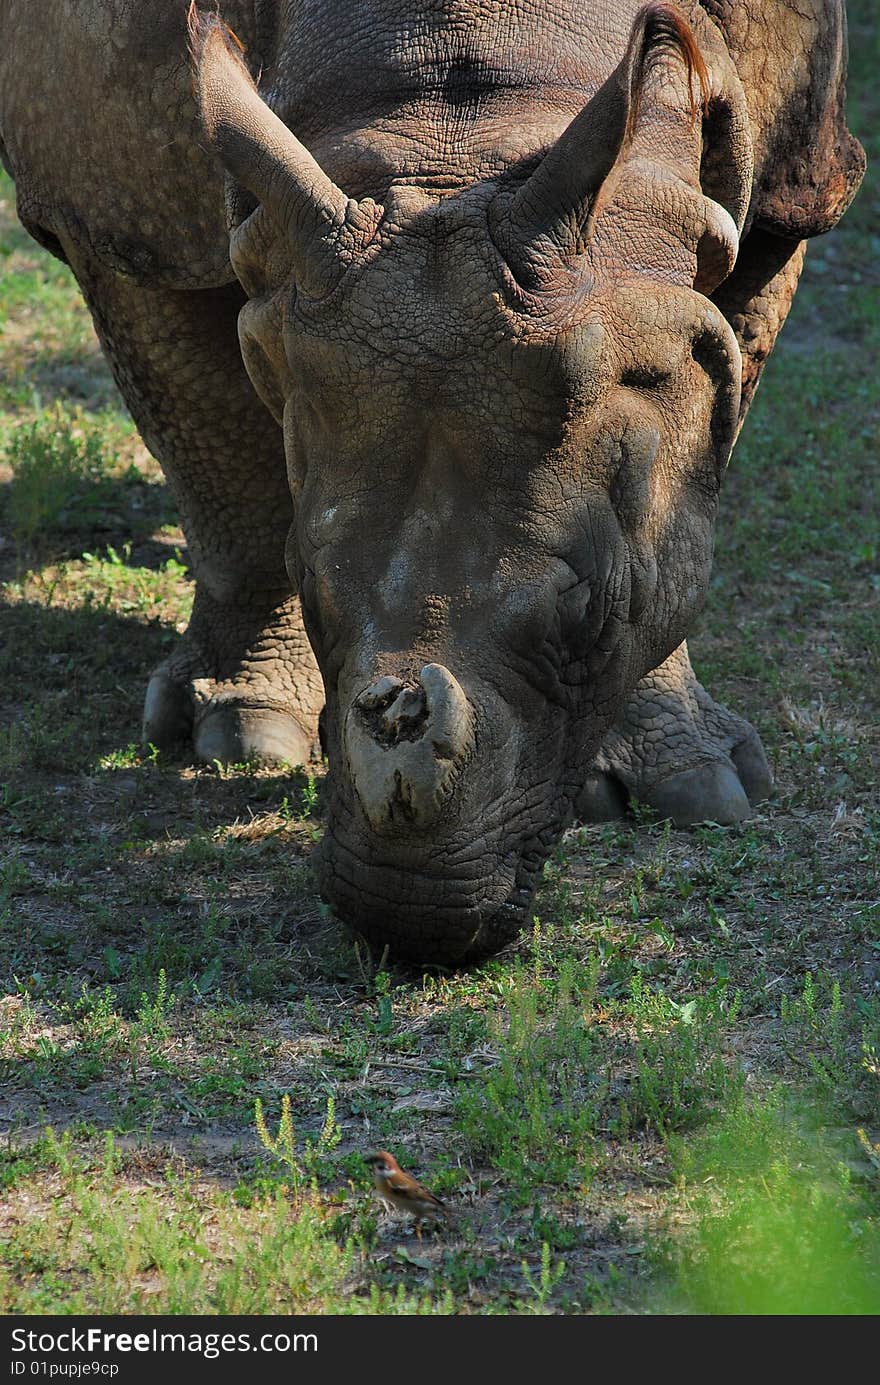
[(510, 309)]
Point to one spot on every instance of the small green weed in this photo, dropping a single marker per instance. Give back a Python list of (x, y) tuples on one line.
[(302, 1167), (309, 796), (831, 1035), (541, 1284)]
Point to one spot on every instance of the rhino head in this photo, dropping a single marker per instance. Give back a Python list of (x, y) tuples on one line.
[(507, 408)]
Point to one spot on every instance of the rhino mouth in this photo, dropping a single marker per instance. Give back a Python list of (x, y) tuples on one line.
[(449, 919), (472, 941)]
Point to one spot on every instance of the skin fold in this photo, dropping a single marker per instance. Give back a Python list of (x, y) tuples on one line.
[(442, 319)]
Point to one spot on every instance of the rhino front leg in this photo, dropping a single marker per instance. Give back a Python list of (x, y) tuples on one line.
[(241, 684), (675, 749), (243, 681)]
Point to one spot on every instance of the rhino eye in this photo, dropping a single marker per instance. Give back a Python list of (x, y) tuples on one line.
[(644, 377), (580, 617), (572, 606)]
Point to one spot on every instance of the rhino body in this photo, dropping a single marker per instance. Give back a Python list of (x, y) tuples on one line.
[(441, 317)]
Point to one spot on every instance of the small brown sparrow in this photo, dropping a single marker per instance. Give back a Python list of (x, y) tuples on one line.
[(403, 1193)]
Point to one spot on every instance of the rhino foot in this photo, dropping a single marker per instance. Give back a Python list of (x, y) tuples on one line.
[(238, 693), (227, 726), (677, 751)]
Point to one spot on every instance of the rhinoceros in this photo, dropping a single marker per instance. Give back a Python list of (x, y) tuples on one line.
[(441, 317)]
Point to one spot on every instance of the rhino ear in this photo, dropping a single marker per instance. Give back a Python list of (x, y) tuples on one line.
[(661, 163), (643, 121), (265, 157)]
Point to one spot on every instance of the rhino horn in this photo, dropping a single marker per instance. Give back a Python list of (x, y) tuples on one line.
[(555, 210), (266, 158)]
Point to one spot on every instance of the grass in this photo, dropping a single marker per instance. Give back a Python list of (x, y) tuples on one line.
[(664, 1099), (782, 1225)]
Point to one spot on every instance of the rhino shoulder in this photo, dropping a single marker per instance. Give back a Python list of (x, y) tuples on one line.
[(99, 129)]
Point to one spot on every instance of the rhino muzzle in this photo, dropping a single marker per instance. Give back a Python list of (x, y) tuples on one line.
[(406, 745)]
